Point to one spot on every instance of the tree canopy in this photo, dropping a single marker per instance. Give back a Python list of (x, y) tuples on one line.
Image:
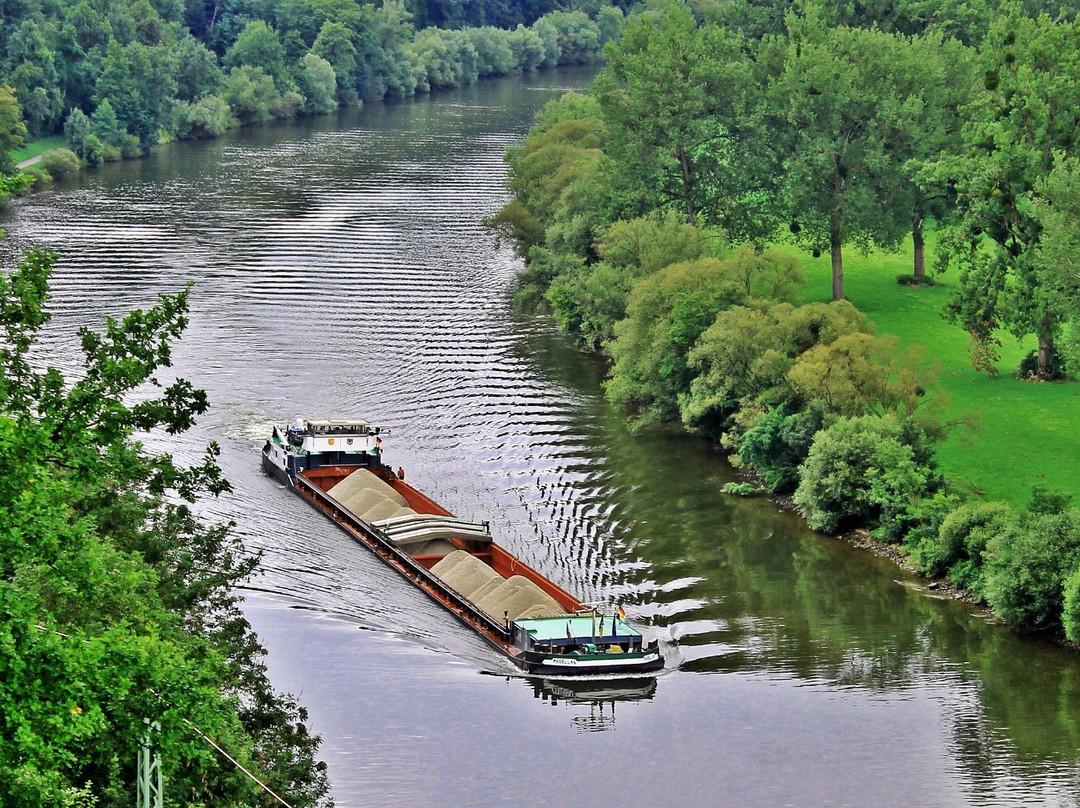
[(118, 600), (143, 73), (1017, 128)]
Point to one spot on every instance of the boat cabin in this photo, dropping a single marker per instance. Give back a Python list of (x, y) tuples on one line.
[(337, 436), (315, 444), (581, 633)]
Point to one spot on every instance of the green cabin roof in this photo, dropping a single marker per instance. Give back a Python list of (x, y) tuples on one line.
[(579, 627)]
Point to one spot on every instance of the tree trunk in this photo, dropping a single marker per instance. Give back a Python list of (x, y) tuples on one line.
[(688, 187), (837, 258), (920, 248), (1046, 355)]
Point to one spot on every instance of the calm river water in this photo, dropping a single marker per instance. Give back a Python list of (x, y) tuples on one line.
[(341, 269)]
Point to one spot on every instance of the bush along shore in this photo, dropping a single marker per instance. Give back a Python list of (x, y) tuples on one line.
[(677, 216), (116, 82)]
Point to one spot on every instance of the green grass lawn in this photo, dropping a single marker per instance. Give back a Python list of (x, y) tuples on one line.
[(1028, 434), (36, 147)]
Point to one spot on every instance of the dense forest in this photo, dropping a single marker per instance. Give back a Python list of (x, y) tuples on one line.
[(118, 77), (662, 216)]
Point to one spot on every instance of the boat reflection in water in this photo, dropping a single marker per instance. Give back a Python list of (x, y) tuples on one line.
[(592, 701)]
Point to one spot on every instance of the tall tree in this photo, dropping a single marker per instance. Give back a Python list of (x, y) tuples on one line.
[(678, 100), (1018, 128), (12, 128), (843, 98), (197, 71), (307, 17), (140, 83), (34, 75), (945, 83), (1058, 256), (258, 46), (335, 44)]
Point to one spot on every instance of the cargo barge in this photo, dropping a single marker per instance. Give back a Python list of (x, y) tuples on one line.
[(337, 467)]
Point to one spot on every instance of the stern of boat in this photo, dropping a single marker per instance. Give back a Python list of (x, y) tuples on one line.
[(587, 662)]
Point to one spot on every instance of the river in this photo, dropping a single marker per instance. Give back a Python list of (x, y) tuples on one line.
[(341, 269)]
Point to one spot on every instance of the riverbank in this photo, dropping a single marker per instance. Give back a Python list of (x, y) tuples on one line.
[(933, 587), (36, 152), (940, 588)]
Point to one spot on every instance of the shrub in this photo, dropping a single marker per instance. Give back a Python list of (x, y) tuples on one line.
[(447, 58), (83, 141), (106, 126), (207, 117), (543, 267), (39, 176), (110, 153), (131, 147), (589, 301), (1068, 351), (1026, 567), (932, 512), (494, 55), (860, 373), (527, 48), (318, 84), (61, 163), (647, 244), (287, 104), (914, 280), (743, 359), (578, 37), (1045, 501), (778, 444), (1029, 369), (250, 92), (768, 274), (866, 470), (741, 489), (1070, 617), (665, 315), (956, 550)]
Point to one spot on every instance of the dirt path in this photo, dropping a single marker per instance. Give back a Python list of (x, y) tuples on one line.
[(30, 161)]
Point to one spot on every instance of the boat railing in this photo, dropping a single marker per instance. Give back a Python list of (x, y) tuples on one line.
[(407, 563)]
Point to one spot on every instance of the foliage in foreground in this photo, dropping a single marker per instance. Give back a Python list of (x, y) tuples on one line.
[(117, 600)]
